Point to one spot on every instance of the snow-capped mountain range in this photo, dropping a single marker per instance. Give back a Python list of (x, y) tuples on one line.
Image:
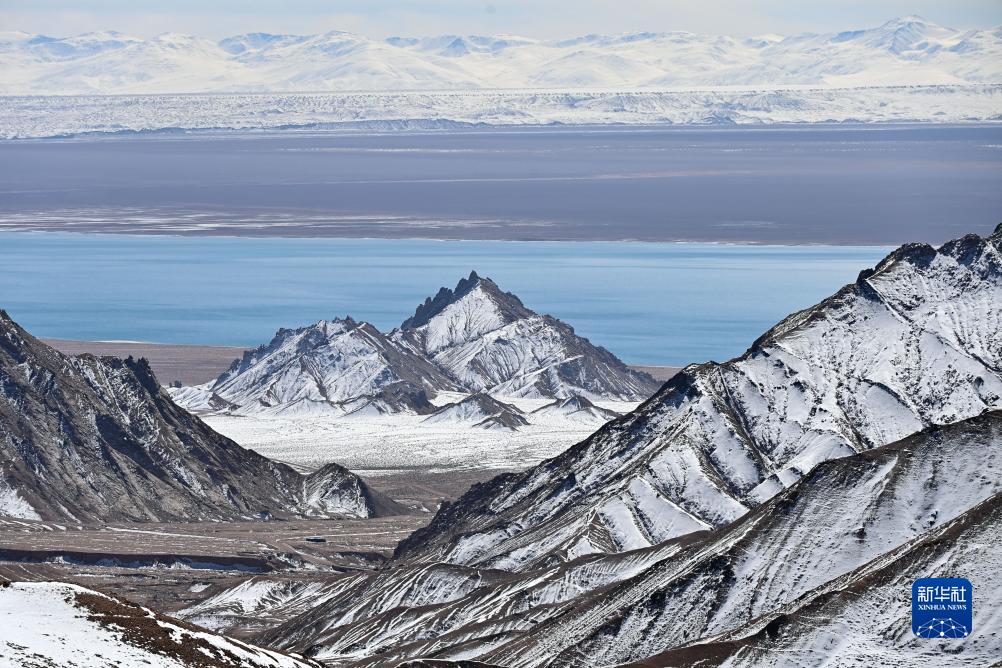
[(475, 339), (914, 342), (903, 51), (97, 439), (769, 510)]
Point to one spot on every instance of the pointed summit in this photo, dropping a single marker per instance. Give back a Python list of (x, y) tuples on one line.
[(509, 304), (577, 409), (489, 341), (481, 410)]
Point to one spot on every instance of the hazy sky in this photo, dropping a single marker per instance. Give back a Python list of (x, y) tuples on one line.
[(532, 18)]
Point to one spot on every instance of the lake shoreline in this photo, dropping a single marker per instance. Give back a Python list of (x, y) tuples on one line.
[(193, 364)]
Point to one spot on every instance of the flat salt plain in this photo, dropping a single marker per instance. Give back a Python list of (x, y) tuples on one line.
[(403, 444), (36, 116)]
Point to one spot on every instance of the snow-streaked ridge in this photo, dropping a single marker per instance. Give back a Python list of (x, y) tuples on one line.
[(490, 342), (330, 368)]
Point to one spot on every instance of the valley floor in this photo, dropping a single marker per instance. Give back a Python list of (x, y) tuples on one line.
[(171, 566), (374, 446)]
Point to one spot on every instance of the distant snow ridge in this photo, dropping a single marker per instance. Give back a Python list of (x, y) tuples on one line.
[(474, 339), (903, 51), (915, 342)]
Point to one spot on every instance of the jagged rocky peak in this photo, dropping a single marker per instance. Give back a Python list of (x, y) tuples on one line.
[(332, 367), (334, 491), (474, 338), (489, 341), (476, 306), (86, 438), (480, 410), (915, 342)]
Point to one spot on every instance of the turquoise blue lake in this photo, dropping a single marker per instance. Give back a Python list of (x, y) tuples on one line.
[(650, 303)]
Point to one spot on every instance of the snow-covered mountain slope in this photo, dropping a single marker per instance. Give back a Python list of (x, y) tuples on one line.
[(903, 51), (474, 339), (86, 438), (330, 368), (480, 410), (841, 516), (607, 609), (490, 342), (917, 341), (45, 116), (58, 624), (576, 409), (863, 618)]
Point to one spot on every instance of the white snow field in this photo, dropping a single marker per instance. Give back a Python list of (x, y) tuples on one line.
[(47, 624), (46, 116), (373, 445)]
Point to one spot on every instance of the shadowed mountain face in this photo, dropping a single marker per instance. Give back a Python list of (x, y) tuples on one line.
[(863, 618), (475, 338), (86, 438), (915, 342)]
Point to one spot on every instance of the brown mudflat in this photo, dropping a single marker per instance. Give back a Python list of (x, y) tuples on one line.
[(192, 365), (662, 373), (170, 566)]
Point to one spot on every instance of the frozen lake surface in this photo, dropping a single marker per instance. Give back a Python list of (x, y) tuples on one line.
[(835, 184)]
